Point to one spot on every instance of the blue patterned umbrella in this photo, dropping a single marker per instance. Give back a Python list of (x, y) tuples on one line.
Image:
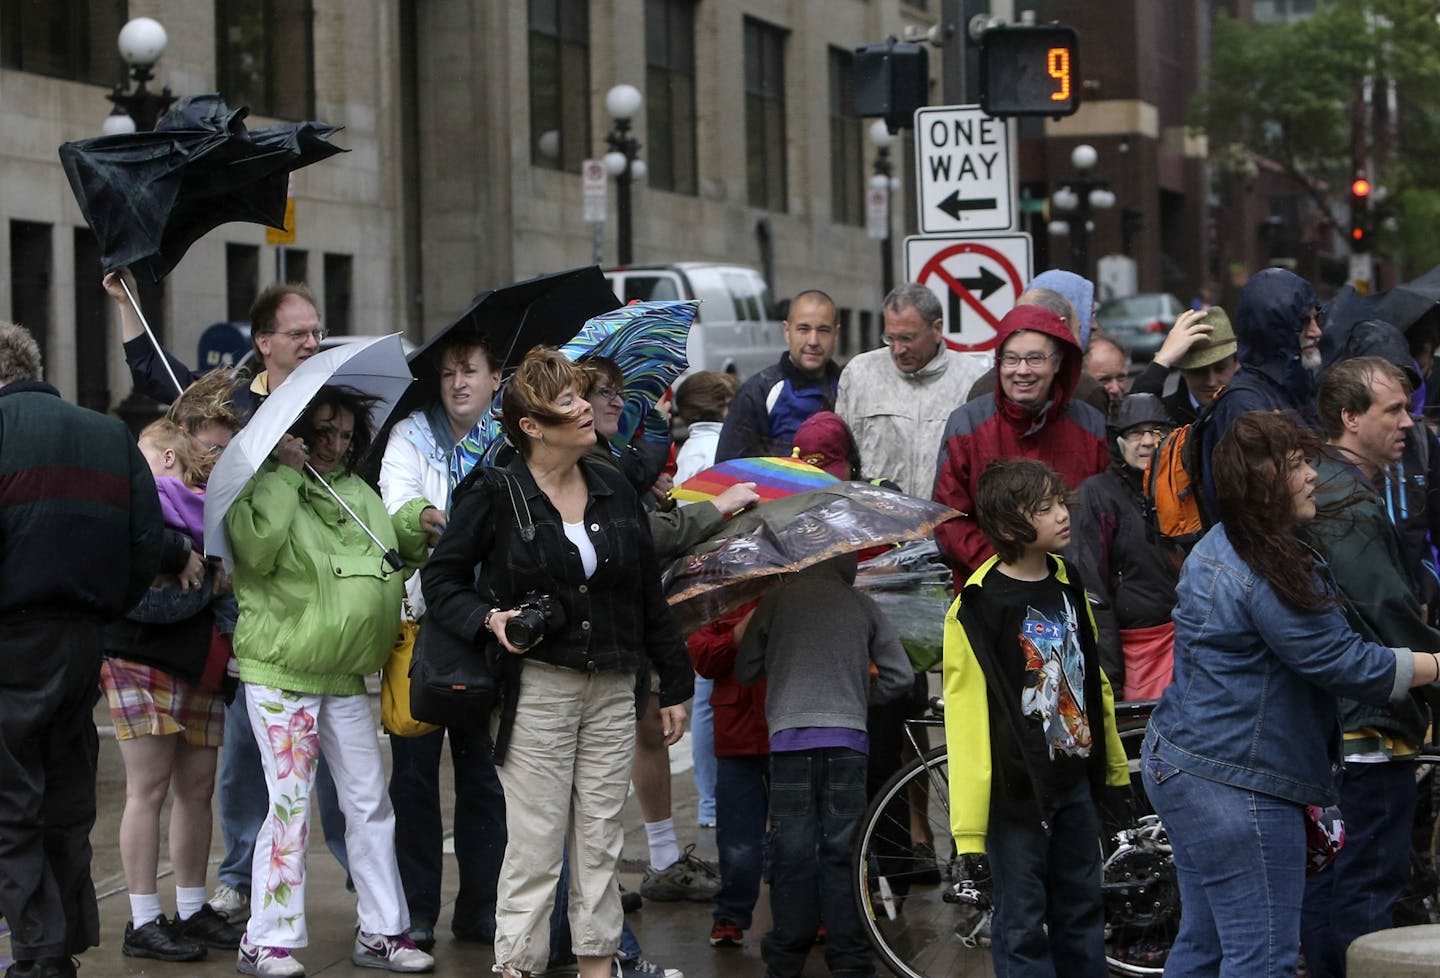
[(646, 340)]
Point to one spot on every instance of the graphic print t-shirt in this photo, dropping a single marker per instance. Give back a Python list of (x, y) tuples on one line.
[(1043, 666)]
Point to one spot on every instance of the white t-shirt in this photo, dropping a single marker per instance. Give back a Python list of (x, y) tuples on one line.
[(575, 533)]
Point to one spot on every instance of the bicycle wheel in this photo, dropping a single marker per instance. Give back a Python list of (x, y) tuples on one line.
[(1141, 894), (920, 918)]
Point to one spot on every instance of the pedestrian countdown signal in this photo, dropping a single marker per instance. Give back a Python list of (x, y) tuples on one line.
[(1029, 71)]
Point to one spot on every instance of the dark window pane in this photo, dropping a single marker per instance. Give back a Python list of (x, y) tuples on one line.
[(559, 83), (242, 278), (265, 56), (30, 276), (297, 265), (92, 326), (765, 115), (670, 89), (847, 190), (72, 39), (339, 286)]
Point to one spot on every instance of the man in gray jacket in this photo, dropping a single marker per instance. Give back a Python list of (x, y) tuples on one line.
[(896, 400)]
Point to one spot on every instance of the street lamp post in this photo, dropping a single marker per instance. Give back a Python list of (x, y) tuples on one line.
[(1080, 197), (142, 42), (622, 162), (884, 180)]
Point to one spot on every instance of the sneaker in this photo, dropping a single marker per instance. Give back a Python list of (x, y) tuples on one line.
[(159, 940), (231, 904), (689, 878), (397, 953), (726, 933), (640, 968), (267, 962), (630, 901), (210, 929)]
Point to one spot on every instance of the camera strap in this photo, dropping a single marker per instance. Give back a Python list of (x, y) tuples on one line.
[(527, 525)]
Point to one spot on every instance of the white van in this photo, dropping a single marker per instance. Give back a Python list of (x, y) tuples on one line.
[(738, 328)]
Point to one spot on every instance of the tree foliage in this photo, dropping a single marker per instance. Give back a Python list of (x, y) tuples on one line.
[(1292, 96)]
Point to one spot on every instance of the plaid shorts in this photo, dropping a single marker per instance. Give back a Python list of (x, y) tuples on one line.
[(149, 701)]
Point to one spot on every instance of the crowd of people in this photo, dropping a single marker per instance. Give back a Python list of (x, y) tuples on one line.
[(1284, 644)]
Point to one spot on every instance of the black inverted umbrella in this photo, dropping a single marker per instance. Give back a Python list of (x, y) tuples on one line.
[(148, 196), (1407, 303)]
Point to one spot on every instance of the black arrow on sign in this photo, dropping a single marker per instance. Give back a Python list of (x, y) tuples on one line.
[(984, 283), (954, 204)]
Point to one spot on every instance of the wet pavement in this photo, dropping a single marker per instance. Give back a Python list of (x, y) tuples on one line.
[(671, 934)]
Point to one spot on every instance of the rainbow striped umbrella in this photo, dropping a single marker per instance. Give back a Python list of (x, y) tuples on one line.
[(774, 478), (646, 340)]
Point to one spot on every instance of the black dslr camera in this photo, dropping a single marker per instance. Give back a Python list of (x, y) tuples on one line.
[(539, 614)]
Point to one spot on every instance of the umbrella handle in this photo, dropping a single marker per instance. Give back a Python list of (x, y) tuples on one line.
[(160, 350), (391, 557)]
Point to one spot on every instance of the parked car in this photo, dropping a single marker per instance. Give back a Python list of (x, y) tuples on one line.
[(1139, 322), (737, 330)]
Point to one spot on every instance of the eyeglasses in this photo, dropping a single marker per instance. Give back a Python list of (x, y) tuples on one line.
[(610, 393), (901, 339), (1157, 432), (1031, 360), (301, 335)]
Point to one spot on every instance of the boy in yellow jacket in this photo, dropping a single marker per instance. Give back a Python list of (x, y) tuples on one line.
[(1030, 728)]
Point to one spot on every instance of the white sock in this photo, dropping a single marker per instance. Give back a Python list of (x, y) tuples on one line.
[(664, 849), (144, 907), (188, 901)]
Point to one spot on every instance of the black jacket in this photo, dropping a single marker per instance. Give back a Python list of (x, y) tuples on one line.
[(147, 373), (616, 620), (80, 526), (1153, 379), (748, 432), (1130, 577)]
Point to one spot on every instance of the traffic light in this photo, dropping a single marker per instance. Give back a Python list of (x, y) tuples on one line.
[(1029, 71), (892, 80), (1360, 215)]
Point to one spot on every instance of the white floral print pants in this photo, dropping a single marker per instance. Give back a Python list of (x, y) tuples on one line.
[(293, 730)]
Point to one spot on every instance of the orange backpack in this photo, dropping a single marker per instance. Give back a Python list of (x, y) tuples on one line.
[(1172, 486)]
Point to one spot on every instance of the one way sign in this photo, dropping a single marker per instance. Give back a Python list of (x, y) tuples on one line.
[(962, 157)]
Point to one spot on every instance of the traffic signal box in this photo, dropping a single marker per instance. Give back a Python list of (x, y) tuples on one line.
[(1360, 215), (1029, 71), (892, 80)]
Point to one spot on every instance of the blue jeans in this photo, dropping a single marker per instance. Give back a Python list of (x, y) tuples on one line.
[(702, 749), (1240, 861), (419, 833), (1048, 882), (560, 952), (817, 800), (243, 800), (1356, 894), (742, 802)]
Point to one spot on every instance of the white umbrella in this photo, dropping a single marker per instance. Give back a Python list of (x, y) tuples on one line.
[(376, 368)]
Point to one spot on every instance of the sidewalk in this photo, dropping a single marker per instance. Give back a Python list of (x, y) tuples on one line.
[(671, 934)]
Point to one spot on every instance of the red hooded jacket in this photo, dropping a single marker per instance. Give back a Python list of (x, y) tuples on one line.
[(1069, 436), (740, 729)]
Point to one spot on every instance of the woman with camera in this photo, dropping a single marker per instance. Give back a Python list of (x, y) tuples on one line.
[(569, 589)]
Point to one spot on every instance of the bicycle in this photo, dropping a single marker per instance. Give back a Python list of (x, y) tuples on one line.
[(928, 916)]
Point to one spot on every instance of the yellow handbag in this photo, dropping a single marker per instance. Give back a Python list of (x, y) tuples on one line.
[(395, 685)]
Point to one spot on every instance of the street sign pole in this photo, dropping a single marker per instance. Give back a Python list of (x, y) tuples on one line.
[(593, 185)]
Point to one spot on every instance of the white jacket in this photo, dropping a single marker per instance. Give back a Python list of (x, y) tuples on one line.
[(414, 467), (698, 452), (898, 419)]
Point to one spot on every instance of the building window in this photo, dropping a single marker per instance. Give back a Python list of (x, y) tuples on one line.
[(765, 114), (242, 281), (297, 265), (670, 88), (265, 56), (92, 326), (339, 286), (559, 83), (847, 148), (72, 39), (30, 276)]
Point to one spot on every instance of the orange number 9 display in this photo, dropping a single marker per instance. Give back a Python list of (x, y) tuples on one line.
[(1057, 66)]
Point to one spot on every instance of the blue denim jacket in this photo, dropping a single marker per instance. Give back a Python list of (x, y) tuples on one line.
[(1254, 703)]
